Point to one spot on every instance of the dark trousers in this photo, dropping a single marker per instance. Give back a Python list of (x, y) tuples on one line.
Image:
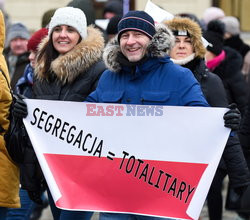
[(214, 197)]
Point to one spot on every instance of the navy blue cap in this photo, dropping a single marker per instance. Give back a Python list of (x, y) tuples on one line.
[(137, 21)]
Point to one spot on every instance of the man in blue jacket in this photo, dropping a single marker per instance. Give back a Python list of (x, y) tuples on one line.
[(139, 69), (140, 72)]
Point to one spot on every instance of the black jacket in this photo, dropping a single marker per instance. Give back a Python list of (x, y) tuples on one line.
[(230, 73), (238, 44), (232, 159)]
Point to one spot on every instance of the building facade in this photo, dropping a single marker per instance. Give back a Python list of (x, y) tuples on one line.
[(30, 11)]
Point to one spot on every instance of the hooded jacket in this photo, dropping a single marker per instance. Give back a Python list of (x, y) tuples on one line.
[(9, 172), (155, 79), (213, 89)]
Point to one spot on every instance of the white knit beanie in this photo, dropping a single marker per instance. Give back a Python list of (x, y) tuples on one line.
[(70, 16)]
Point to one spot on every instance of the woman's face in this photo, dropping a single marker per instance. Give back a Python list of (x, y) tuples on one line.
[(183, 48), (32, 58), (64, 38)]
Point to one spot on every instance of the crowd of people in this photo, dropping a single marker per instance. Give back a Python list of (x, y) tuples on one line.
[(71, 59)]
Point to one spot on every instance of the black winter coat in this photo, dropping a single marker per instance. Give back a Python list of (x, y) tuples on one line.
[(212, 87), (238, 44), (230, 73)]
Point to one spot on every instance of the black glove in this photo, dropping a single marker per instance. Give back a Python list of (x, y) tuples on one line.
[(35, 196), (20, 109), (232, 117)]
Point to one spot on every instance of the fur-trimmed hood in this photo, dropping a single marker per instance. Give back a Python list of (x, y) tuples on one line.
[(77, 61), (193, 28), (160, 46)]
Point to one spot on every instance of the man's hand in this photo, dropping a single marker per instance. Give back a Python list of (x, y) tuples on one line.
[(232, 117)]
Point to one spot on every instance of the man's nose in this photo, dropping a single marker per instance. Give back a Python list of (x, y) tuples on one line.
[(131, 39)]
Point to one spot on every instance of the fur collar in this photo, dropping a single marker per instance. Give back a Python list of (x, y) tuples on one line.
[(160, 46), (185, 60), (70, 65)]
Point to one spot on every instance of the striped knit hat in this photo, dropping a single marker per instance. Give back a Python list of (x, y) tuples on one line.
[(137, 21)]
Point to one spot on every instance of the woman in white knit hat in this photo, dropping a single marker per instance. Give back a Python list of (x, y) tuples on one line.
[(67, 68)]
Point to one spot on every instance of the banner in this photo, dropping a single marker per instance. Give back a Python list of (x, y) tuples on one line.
[(157, 13), (149, 160)]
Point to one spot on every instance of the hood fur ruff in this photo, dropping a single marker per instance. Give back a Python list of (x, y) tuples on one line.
[(160, 45), (186, 24), (70, 65)]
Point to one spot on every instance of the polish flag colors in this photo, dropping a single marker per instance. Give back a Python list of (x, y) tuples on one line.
[(147, 160)]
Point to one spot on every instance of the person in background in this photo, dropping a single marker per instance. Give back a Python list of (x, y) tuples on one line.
[(68, 67), (226, 63), (29, 209), (87, 7), (232, 39), (9, 172), (141, 72), (47, 17), (16, 52), (211, 13), (189, 52), (244, 135), (112, 8), (112, 28)]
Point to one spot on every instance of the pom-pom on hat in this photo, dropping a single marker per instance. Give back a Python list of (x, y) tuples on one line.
[(137, 21), (214, 35), (36, 38), (70, 16)]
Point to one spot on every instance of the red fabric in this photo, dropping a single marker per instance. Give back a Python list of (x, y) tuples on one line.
[(36, 39)]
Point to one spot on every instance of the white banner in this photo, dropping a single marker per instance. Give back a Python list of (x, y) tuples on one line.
[(150, 160)]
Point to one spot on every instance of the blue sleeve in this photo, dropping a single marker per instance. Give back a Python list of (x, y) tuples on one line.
[(190, 90), (92, 97)]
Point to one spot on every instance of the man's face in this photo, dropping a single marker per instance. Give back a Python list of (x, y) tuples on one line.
[(134, 45), (182, 48), (18, 46)]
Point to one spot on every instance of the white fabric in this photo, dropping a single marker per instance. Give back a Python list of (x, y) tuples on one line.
[(70, 16)]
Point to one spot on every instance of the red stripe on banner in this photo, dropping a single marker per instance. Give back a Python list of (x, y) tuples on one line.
[(148, 187)]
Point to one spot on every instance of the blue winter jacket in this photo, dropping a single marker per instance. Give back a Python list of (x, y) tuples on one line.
[(157, 81)]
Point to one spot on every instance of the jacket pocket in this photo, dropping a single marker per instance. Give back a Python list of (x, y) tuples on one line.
[(112, 97), (155, 98)]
